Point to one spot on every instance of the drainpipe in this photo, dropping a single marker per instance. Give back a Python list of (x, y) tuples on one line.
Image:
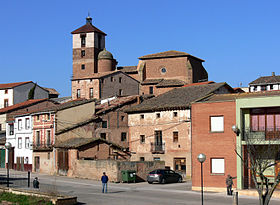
[(54, 150)]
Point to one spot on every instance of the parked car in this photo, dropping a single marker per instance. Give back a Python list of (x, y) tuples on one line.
[(164, 176)]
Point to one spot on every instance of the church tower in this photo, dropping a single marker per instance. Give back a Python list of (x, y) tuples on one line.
[(88, 41)]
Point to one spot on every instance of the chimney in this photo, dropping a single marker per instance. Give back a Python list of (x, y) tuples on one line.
[(273, 73)]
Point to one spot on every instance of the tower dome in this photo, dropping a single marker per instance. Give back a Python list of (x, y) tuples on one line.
[(105, 55)]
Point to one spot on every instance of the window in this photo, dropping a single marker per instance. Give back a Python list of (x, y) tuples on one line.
[(83, 53), (163, 70), (11, 128), (6, 102), (122, 118), (175, 114), (141, 116), (19, 142), (27, 142), (83, 40), (38, 138), (103, 136), (158, 115), (27, 123), (48, 116), (217, 123), (78, 93), (91, 93), (156, 158), (151, 90), (175, 136), (48, 137), (104, 124), (37, 117), (217, 166), (120, 92), (142, 159), (83, 66), (120, 79), (142, 139), (263, 87), (123, 136), (112, 79), (49, 155), (6, 91), (19, 124)]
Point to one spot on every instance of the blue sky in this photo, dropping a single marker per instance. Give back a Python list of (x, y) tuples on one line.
[(239, 39)]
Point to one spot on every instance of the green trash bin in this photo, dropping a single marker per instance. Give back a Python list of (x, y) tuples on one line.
[(128, 176)]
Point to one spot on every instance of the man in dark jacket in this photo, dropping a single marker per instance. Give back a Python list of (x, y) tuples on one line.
[(229, 184), (104, 180)]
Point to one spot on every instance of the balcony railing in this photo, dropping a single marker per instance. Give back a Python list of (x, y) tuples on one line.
[(267, 134), (157, 148)]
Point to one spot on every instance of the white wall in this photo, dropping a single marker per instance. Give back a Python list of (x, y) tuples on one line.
[(8, 96)]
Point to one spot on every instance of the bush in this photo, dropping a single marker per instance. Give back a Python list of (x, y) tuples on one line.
[(23, 199)]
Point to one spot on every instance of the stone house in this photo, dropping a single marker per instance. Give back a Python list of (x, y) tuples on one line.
[(160, 128), (14, 93)]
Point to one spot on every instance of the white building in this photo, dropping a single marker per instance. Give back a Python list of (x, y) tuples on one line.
[(265, 83)]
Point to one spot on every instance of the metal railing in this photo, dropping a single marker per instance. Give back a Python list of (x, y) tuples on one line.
[(262, 134), (157, 147)]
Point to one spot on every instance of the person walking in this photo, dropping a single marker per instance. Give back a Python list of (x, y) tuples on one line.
[(229, 184), (104, 180)]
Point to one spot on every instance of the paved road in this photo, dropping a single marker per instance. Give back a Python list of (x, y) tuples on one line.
[(89, 192)]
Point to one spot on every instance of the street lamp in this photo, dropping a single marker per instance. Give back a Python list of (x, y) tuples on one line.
[(8, 145), (201, 158)]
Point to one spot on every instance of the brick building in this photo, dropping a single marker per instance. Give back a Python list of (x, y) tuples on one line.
[(160, 128)]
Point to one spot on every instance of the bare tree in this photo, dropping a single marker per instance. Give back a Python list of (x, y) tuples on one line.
[(261, 155)]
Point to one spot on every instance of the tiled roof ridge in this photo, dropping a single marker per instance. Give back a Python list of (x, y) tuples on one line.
[(87, 28), (12, 85), (199, 83)]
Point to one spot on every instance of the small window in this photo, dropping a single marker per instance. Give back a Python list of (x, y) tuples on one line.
[(11, 129), (112, 79), (120, 92), (151, 90), (123, 136), (19, 124), (217, 123), (122, 118), (49, 155), (38, 142), (104, 124), (217, 166), (78, 93), (120, 79), (48, 116), (37, 117), (48, 137), (175, 136), (163, 70), (175, 114), (142, 159), (91, 93), (6, 102), (142, 139), (83, 66), (158, 115), (103, 136), (141, 116), (27, 143), (27, 123), (19, 142), (83, 53), (83, 40), (6, 91), (156, 158)]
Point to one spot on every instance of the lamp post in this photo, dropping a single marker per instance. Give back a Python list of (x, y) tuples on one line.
[(201, 158), (8, 146)]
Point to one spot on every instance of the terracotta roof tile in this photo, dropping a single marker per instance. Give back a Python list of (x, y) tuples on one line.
[(200, 83), (21, 105), (171, 83), (266, 80), (88, 28), (52, 91), (151, 81), (128, 69), (12, 85), (168, 54)]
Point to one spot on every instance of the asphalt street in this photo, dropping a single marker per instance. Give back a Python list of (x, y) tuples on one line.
[(89, 192)]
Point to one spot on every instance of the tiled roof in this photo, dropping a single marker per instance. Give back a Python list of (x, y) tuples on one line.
[(151, 81), (78, 142), (96, 75), (21, 105), (88, 28), (170, 83), (118, 102), (178, 98), (200, 83), (128, 69), (12, 85), (62, 99), (52, 91), (266, 80), (168, 54)]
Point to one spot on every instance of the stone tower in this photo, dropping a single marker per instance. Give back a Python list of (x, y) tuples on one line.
[(88, 41)]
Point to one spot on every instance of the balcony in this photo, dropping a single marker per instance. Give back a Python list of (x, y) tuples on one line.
[(42, 147), (268, 134), (157, 148)]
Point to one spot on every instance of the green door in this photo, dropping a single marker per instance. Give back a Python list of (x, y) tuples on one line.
[(2, 158)]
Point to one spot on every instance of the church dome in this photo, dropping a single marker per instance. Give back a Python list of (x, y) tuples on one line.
[(105, 55)]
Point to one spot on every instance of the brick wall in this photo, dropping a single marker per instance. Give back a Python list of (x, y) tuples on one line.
[(213, 145), (84, 86)]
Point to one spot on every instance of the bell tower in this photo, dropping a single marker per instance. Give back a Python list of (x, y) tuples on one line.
[(88, 41)]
